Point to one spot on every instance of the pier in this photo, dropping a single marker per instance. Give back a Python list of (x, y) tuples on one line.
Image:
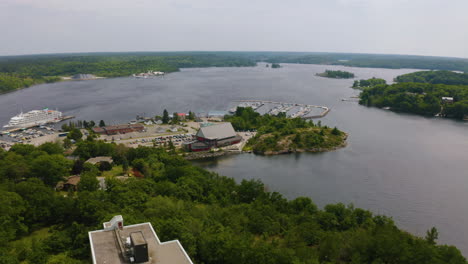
[(285, 107)]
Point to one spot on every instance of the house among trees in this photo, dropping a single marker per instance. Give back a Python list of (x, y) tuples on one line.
[(70, 184), (447, 100), (182, 116), (218, 135), (138, 243), (98, 160)]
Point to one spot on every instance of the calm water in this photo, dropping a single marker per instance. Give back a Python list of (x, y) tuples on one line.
[(412, 168)]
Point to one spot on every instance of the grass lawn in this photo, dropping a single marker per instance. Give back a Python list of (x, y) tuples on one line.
[(115, 171)]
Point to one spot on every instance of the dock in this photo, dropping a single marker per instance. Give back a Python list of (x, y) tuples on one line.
[(305, 108)]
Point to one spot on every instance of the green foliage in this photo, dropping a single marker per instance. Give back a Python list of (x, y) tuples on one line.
[(216, 219), (191, 115), (419, 98), (175, 118), (67, 143), (365, 60), (432, 235), (75, 134), (12, 209), (88, 182), (435, 77), (368, 83), (282, 134), (165, 118), (275, 65), (51, 148), (50, 168), (102, 123), (336, 74)]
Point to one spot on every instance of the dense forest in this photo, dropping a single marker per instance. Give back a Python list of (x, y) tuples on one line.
[(419, 98), (435, 77), (336, 74), (368, 60), (278, 134), (361, 84), (216, 219), (23, 71)]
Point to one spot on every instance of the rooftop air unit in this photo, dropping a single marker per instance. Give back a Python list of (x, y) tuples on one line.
[(139, 247)]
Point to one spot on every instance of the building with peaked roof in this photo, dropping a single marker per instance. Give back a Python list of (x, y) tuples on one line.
[(216, 135), (119, 129), (118, 244), (70, 184)]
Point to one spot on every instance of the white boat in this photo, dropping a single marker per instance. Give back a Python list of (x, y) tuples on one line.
[(34, 118)]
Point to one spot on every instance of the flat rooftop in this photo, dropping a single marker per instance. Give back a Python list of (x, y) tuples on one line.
[(105, 248)]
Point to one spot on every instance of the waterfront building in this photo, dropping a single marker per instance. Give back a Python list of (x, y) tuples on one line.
[(215, 135)]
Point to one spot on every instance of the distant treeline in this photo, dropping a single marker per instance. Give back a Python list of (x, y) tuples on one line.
[(435, 77), (422, 93), (23, 71), (371, 60)]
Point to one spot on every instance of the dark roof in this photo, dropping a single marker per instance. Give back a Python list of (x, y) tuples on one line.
[(218, 131)]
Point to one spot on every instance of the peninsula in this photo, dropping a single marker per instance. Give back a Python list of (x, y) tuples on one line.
[(280, 135), (428, 93)]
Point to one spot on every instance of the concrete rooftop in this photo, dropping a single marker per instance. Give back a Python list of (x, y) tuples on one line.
[(105, 248)]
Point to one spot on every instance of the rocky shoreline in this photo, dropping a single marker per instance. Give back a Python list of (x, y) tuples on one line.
[(313, 150), (205, 155)]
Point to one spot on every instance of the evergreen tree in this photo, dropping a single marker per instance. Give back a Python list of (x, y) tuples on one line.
[(102, 124), (175, 118), (165, 118)]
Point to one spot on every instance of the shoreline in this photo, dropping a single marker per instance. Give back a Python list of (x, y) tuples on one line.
[(205, 155), (313, 150)]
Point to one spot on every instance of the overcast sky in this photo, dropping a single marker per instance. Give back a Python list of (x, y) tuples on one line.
[(420, 27)]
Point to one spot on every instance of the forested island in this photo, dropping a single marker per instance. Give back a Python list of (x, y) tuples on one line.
[(336, 74), (275, 65), (23, 71), (428, 93), (280, 135), (216, 219)]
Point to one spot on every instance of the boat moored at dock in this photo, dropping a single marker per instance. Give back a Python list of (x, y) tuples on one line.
[(34, 118)]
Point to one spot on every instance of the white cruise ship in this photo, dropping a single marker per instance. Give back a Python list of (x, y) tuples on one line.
[(34, 118)]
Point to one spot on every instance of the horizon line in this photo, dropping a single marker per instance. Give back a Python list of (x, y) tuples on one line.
[(229, 51)]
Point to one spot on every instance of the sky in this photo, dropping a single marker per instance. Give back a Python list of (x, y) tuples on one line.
[(417, 27)]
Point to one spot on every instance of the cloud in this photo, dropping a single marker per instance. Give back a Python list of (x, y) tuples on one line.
[(427, 27)]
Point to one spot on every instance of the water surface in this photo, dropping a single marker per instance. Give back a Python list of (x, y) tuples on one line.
[(410, 167)]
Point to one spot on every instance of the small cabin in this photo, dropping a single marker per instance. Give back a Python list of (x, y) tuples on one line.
[(448, 100)]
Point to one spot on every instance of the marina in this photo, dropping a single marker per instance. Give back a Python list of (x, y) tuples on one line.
[(291, 110)]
